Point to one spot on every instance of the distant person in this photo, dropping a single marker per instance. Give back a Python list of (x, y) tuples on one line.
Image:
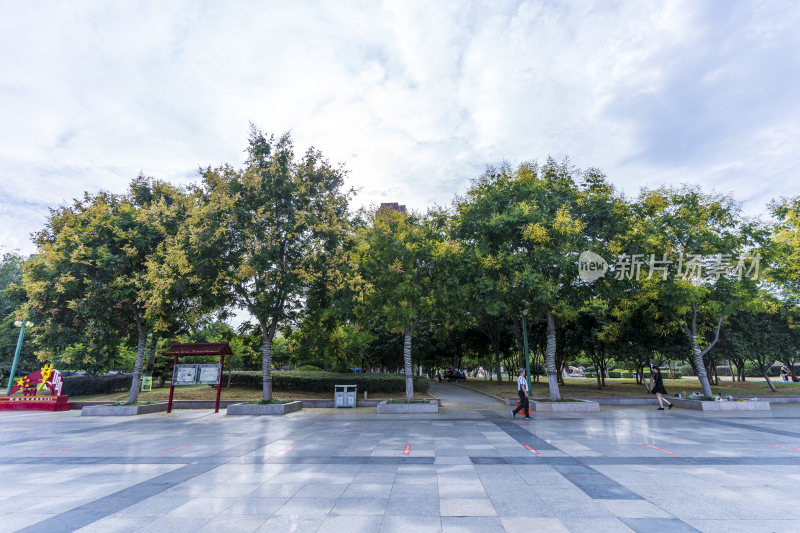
[(522, 390), (785, 373), (657, 388)]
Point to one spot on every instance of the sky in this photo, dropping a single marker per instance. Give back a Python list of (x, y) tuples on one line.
[(415, 99)]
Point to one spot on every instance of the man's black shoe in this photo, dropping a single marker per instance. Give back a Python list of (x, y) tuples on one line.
[(513, 415), (528, 417), (670, 406), (660, 409)]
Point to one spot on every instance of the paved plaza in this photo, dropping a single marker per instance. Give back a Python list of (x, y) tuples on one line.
[(469, 468)]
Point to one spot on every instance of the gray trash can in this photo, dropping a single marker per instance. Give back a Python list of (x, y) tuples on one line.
[(344, 396)]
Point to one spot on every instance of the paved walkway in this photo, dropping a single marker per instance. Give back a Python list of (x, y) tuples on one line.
[(456, 396), (469, 468)]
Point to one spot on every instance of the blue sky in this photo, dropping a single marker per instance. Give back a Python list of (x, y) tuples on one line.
[(414, 98)]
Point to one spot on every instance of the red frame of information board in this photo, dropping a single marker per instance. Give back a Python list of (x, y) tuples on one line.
[(198, 349)]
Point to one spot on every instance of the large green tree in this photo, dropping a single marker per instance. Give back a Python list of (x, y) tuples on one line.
[(91, 286), (701, 264), (11, 299), (532, 223), (402, 258), (270, 221)]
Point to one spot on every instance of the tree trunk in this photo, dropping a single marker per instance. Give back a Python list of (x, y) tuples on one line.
[(497, 371), (769, 381), (407, 362), (733, 376), (550, 357), (151, 358), (267, 332), (701, 368), (491, 329), (137, 367)]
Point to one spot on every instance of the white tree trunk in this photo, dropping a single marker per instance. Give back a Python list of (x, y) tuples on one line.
[(266, 363), (701, 368), (550, 358), (141, 348), (407, 364), (151, 358)]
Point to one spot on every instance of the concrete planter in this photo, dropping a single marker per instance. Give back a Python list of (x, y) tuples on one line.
[(580, 406), (123, 410), (407, 408), (698, 405), (267, 409)]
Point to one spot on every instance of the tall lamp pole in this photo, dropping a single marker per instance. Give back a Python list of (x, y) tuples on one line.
[(525, 345), (21, 325)]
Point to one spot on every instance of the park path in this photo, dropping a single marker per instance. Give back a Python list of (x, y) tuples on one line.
[(453, 395)]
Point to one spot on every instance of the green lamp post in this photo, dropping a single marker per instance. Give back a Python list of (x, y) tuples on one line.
[(21, 325)]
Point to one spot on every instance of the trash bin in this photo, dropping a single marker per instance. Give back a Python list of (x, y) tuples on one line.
[(344, 396)]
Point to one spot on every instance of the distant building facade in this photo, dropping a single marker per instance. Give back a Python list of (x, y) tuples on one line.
[(393, 205)]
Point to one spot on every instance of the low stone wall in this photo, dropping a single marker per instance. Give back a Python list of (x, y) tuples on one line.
[(407, 408), (580, 406), (123, 410), (266, 409), (359, 403), (176, 404), (699, 405)]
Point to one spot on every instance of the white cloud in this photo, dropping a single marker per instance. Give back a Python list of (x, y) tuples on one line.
[(415, 98)]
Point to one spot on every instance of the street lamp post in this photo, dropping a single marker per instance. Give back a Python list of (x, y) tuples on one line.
[(21, 325), (525, 346)]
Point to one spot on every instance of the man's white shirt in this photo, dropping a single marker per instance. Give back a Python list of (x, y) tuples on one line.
[(522, 383)]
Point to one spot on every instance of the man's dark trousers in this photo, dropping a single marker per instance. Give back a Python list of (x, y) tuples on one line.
[(523, 403)]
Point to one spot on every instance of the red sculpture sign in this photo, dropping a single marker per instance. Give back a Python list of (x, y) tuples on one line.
[(30, 385)]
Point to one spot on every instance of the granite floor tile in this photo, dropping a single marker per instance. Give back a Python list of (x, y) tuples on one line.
[(307, 507), (528, 525), (471, 524), (412, 507), (360, 506), (354, 524), (409, 524), (467, 507)]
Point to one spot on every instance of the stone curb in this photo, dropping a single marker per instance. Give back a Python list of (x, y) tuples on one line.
[(268, 409), (123, 410), (407, 408)]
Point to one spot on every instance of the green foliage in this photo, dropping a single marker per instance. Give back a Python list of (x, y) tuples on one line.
[(291, 381), (308, 368), (271, 223)]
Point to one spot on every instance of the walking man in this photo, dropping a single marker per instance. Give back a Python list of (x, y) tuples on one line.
[(522, 390)]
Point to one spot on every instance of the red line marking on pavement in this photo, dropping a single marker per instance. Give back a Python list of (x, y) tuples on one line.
[(61, 450), (173, 449), (290, 448), (531, 449), (407, 449), (787, 447), (661, 449)]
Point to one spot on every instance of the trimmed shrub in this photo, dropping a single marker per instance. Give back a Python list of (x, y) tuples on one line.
[(294, 380), (308, 368), (86, 385)]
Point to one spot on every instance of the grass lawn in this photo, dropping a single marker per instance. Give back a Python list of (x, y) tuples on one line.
[(627, 387), (205, 392)]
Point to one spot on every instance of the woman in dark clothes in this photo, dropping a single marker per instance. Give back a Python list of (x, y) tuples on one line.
[(657, 388)]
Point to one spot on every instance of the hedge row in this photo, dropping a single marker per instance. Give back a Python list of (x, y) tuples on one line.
[(324, 381), (85, 385)]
